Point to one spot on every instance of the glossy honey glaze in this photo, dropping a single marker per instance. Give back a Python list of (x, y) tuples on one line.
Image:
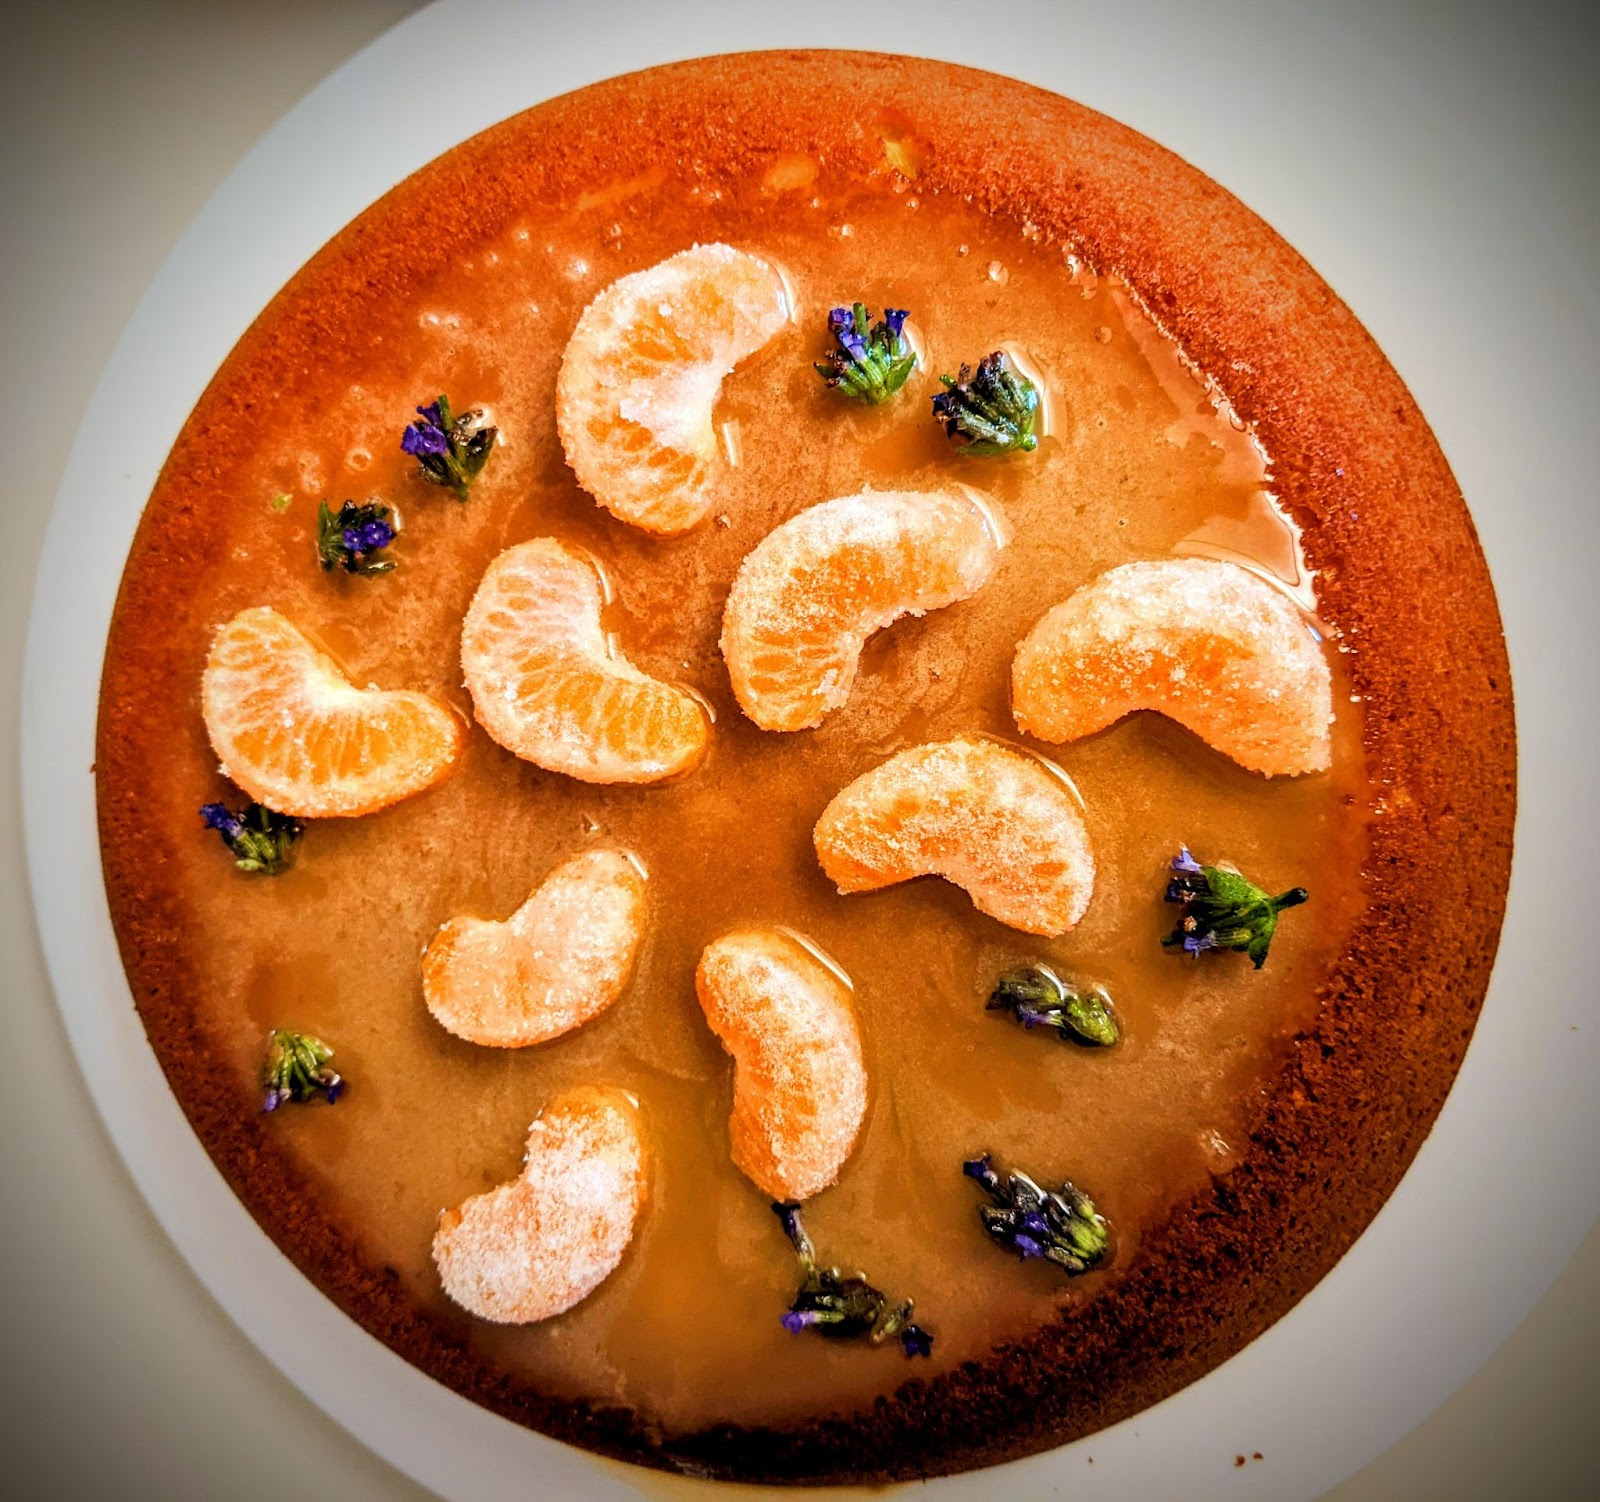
[(1140, 459)]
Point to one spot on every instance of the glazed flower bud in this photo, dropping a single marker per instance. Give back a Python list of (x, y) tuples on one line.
[(1224, 910), (450, 448), (844, 1308), (352, 537), (297, 1070), (1035, 996), (1060, 1226), (261, 839), (990, 410), (872, 360)]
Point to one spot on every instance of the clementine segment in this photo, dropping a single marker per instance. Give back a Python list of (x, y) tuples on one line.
[(1207, 643), (292, 730), (548, 685), (813, 590), (995, 821), (799, 1083), (560, 959), (640, 377), (536, 1246)]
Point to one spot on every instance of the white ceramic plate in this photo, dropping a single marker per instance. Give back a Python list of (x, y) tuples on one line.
[(1399, 217)]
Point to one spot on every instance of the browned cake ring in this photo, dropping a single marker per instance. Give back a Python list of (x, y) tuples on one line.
[(1354, 463)]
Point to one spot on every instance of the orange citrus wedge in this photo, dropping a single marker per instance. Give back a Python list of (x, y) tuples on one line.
[(799, 1084), (536, 1246), (296, 734), (1207, 643), (547, 684), (812, 591), (640, 378), (560, 959), (996, 822)]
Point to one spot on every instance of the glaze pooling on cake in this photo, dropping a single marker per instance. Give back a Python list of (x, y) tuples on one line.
[(1210, 1127)]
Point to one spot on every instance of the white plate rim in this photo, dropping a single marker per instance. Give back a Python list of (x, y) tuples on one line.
[(1522, 1085)]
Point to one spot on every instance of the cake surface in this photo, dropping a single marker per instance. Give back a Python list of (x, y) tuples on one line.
[(1246, 1128)]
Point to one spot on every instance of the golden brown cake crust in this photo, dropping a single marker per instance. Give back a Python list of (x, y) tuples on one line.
[(1383, 522)]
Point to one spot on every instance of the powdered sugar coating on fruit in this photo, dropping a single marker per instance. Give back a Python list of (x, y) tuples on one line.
[(1207, 643), (641, 373), (562, 958), (534, 1247), (293, 731), (799, 1083), (995, 821), (548, 685), (813, 590)]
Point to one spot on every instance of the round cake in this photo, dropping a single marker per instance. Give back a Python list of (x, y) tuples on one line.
[(830, 590)]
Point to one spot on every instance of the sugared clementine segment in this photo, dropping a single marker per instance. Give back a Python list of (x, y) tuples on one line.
[(534, 1247), (548, 684), (560, 959), (640, 377), (296, 734), (813, 590), (995, 821), (799, 1084), (1207, 643)]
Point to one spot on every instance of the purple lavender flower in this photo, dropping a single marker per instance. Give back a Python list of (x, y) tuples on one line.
[(1062, 1227), (220, 819), (839, 1307), (450, 449), (368, 537), (1036, 996), (789, 1218), (915, 1341), (427, 436), (261, 839), (297, 1070), (990, 410), (1224, 910), (352, 537), (872, 361)]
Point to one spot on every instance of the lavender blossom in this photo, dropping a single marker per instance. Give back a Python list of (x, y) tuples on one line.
[(297, 1070), (351, 537), (844, 1308), (1223, 910), (450, 449), (1062, 1227), (1036, 996), (261, 839), (991, 410), (872, 361)]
